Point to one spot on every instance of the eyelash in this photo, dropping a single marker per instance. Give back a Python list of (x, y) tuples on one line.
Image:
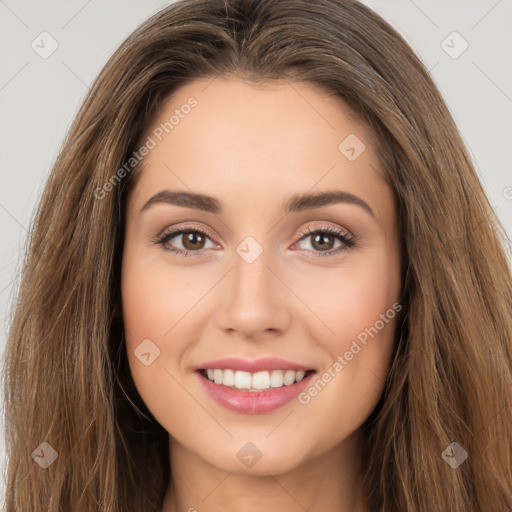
[(347, 240)]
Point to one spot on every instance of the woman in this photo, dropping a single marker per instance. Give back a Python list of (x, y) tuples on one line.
[(185, 336)]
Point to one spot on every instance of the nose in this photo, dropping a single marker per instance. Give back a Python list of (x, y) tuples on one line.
[(255, 301)]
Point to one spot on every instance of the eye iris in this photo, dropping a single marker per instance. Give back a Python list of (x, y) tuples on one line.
[(192, 237), (319, 238)]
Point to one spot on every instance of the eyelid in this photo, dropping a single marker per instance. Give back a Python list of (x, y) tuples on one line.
[(327, 228), (299, 234), (188, 226), (345, 236)]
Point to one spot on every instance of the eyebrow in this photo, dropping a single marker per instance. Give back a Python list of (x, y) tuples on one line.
[(297, 203)]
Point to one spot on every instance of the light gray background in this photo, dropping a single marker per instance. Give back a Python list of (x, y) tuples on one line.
[(39, 97)]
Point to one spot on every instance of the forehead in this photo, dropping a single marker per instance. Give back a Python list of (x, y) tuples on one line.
[(243, 141)]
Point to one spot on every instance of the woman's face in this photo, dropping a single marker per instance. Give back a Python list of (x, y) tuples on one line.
[(250, 295)]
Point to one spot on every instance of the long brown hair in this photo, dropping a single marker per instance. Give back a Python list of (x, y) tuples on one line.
[(67, 380)]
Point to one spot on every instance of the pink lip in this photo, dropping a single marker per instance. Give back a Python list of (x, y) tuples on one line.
[(253, 402), (257, 365)]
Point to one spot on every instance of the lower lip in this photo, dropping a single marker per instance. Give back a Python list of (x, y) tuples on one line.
[(253, 402)]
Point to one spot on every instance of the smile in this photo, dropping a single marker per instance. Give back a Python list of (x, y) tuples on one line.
[(258, 381), (253, 387)]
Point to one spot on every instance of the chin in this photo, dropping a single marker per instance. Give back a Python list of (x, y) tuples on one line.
[(257, 457)]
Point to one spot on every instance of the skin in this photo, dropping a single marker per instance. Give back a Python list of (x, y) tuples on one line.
[(252, 147)]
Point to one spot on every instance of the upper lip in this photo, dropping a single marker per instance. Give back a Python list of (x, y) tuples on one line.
[(254, 365)]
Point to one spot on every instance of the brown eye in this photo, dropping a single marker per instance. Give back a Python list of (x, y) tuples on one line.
[(192, 241), (323, 240)]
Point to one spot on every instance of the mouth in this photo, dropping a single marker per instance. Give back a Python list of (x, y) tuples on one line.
[(254, 382), (254, 392)]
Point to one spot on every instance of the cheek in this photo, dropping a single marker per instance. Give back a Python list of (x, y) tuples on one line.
[(360, 306), (365, 298), (145, 326), (156, 299), (153, 305), (346, 391), (351, 299)]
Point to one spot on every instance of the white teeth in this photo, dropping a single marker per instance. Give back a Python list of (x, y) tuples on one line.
[(242, 380), (228, 378), (289, 377), (254, 381), (217, 376), (261, 380), (276, 379)]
